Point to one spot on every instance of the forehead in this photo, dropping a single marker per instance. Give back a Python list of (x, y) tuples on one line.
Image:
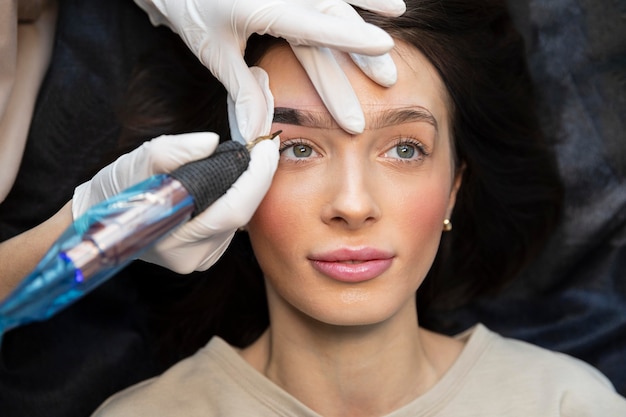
[(418, 83)]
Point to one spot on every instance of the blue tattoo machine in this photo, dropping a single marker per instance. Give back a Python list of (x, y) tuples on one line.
[(116, 231)]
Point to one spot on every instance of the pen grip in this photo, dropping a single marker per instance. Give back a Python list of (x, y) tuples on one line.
[(208, 179)]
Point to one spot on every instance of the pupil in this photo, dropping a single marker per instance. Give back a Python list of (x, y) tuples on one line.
[(405, 151), (302, 150)]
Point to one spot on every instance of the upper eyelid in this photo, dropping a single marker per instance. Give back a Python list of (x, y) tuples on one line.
[(412, 141), (298, 140)]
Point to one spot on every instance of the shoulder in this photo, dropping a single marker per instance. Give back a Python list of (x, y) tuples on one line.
[(527, 359), (179, 389), (531, 372), (216, 381)]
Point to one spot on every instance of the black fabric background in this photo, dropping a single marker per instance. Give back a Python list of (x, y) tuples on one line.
[(572, 299)]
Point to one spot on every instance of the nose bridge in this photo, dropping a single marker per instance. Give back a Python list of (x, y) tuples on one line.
[(353, 199)]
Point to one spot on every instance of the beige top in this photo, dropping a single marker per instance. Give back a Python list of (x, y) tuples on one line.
[(25, 51), (493, 377)]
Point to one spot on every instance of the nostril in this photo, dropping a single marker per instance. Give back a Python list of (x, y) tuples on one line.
[(351, 213)]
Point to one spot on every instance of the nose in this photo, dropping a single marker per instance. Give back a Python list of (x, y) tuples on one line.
[(353, 198)]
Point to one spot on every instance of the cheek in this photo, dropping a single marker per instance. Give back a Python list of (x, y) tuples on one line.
[(268, 221), (427, 209), (270, 213), (419, 233), (421, 212), (278, 221), (290, 204)]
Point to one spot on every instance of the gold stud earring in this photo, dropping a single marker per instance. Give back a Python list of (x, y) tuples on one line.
[(447, 225)]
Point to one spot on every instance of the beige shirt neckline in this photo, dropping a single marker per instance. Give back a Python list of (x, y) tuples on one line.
[(476, 339)]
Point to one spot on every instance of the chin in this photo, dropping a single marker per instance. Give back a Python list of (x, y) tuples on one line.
[(355, 312)]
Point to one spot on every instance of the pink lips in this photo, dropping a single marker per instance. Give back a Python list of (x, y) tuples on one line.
[(352, 265)]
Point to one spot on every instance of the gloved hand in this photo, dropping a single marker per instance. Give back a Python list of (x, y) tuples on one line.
[(217, 31), (197, 244)]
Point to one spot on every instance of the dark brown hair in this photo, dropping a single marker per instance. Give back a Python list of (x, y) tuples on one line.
[(509, 200)]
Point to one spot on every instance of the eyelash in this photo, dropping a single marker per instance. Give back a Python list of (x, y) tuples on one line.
[(292, 142)]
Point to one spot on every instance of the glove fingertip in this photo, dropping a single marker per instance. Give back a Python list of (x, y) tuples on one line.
[(267, 150), (250, 110), (391, 8), (206, 141), (248, 118), (381, 69)]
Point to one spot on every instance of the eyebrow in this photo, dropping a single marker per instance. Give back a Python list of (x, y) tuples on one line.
[(384, 118)]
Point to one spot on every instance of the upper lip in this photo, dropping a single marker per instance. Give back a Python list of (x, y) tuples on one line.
[(351, 254)]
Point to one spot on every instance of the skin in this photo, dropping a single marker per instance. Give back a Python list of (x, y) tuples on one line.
[(17, 262), (354, 348)]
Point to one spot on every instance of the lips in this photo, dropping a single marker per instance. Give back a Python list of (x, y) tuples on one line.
[(352, 265)]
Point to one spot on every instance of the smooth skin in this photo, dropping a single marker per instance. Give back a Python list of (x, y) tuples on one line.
[(344, 336), (21, 253)]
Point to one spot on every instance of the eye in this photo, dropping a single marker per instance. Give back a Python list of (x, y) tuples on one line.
[(406, 149), (296, 149)]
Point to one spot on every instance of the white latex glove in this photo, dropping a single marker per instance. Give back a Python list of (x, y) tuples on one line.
[(197, 244), (216, 31)]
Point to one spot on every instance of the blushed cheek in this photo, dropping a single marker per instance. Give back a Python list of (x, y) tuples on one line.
[(263, 220), (271, 229), (288, 210), (424, 213)]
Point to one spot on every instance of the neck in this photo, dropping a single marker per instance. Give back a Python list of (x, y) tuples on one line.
[(344, 371)]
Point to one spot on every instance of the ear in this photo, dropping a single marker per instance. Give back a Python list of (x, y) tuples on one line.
[(458, 179)]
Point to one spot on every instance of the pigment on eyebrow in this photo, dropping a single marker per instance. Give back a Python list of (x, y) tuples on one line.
[(304, 118), (380, 119)]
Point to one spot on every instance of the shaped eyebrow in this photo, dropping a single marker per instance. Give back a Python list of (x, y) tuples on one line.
[(384, 118)]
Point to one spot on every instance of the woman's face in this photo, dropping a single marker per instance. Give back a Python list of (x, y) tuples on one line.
[(351, 223)]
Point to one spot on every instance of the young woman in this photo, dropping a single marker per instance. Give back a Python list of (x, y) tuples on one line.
[(351, 230)]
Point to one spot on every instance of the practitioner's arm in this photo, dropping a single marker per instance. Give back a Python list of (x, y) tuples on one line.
[(20, 254)]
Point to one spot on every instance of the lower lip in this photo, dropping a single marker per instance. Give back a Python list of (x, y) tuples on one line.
[(353, 272)]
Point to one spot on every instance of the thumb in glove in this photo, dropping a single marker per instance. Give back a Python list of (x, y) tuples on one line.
[(199, 243)]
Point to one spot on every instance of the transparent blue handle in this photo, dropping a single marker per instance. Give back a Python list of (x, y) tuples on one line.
[(96, 246), (113, 233)]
